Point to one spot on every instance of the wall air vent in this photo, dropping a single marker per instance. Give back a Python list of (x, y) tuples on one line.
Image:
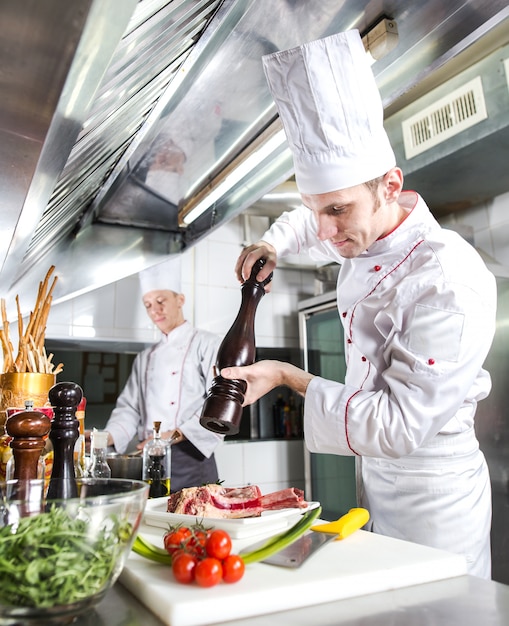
[(459, 110)]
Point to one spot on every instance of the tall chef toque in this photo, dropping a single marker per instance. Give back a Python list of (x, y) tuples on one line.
[(331, 111), (165, 275)]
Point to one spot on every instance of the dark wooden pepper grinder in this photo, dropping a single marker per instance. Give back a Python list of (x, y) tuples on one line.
[(222, 411), (65, 429), (27, 429)]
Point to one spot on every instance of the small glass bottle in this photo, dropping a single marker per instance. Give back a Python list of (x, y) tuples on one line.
[(157, 464), (99, 467)]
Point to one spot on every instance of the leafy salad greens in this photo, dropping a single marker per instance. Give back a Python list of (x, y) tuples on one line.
[(51, 559)]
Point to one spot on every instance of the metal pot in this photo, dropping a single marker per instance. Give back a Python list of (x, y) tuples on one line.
[(126, 465)]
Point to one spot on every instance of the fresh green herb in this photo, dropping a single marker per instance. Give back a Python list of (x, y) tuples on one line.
[(52, 559)]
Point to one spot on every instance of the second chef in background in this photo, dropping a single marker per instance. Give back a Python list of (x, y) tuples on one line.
[(169, 382)]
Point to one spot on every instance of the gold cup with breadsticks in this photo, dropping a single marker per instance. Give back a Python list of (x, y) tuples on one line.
[(28, 373)]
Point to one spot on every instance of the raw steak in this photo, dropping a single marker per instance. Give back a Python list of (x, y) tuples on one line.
[(232, 502)]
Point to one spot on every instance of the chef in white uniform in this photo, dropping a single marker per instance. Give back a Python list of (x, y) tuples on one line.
[(416, 302), (169, 382)]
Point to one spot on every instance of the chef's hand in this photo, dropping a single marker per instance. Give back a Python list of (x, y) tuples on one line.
[(175, 436), (263, 376), (249, 256)]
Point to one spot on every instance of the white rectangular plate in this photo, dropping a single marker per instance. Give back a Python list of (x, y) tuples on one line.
[(269, 521)]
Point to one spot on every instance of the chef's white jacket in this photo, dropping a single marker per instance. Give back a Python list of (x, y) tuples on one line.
[(168, 383), (418, 310)]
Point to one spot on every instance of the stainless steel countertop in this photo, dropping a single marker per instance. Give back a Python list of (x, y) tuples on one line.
[(461, 601)]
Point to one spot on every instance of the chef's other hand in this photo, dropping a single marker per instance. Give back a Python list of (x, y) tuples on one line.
[(175, 436), (249, 256), (263, 376)]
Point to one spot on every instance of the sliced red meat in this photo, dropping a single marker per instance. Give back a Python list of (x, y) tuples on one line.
[(284, 499), (232, 502)]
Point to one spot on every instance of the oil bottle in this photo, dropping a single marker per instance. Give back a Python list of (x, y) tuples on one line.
[(157, 464)]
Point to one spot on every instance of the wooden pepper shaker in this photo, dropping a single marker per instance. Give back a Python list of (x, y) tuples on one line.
[(222, 411), (27, 429), (65, 429)]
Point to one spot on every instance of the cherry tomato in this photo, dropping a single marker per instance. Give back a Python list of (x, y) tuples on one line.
[(183, 567), (233, 568), (178, 552), (219, 544), (208, 572), (174, 539), (196, 541)]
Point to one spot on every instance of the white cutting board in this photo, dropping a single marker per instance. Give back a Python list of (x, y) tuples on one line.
[(362, 563)]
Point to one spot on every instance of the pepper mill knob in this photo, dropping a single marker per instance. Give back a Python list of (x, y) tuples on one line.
[(27, 429), (222, 411), (65, 429)]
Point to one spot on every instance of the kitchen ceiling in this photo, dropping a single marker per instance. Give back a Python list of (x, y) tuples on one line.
[(116, 117)]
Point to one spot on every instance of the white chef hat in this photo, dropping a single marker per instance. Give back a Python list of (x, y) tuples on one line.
[(165, 275), (331, 112)]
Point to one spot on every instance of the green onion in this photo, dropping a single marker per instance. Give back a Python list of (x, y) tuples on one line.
[(151, 552)]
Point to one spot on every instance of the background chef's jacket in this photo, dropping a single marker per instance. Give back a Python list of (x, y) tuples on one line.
[(168, 383)]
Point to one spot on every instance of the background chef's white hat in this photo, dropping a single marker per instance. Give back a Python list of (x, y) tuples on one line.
[(331, 112), (165, 275)]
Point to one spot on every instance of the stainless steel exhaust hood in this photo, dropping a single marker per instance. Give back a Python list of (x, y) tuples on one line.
[(114, 116)]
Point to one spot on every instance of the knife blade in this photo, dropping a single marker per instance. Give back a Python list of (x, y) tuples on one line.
[(300, 550), (305, 546)]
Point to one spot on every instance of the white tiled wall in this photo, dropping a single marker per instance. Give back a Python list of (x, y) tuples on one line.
[(490, 224), (272, 465)]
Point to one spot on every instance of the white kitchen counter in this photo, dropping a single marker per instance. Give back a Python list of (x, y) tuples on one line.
[(461, 601)]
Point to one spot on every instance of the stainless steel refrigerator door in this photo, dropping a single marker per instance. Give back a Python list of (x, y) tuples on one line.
[(330, 479)]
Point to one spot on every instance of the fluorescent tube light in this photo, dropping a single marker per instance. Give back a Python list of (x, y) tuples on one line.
[(235, 176)]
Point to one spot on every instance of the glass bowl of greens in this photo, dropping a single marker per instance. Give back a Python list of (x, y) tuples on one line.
[(59, 557)]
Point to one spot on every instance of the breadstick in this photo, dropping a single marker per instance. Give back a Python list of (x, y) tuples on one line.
[(45, 360), (6, 350), (20, 318), (32, 366), (5, 321), (31, 355), (39, 302)]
